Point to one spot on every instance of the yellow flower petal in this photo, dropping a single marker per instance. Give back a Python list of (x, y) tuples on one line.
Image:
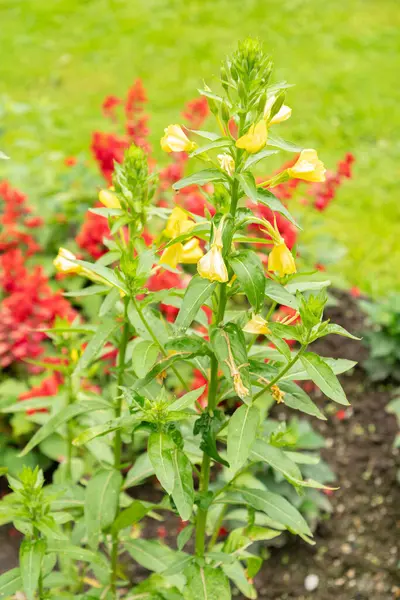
[(257, 325), (109, 199), (308, 167), (63, 262), (255, 139), (178, 222), (283, 113), (226, 163), (172, 255), (212, 266), (280, 260), (175, 140), (191, 252)]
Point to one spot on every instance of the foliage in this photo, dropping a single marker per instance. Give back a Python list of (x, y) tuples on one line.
[(383, 339), (127, 404)]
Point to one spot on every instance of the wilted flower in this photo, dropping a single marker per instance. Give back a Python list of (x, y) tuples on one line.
[(255, 139), (240, 388), (212, 265), (308, 167), (175, 140), (277, 394), (227, 163), (257, 325), (283, 113)]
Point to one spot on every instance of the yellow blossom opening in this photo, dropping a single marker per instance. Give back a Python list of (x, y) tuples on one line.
[(257, 325), (283, 114), (255, 139), (175, 140), (308, 167), (281, 261), (64, 262)]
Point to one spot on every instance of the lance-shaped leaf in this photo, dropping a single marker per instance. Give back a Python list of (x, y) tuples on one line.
[(140, 471), (183, 491), (208, 426), (255, 158), (144, 356), (267, 198), (323, 376), (200, 178), (338, 366), (133, 514), (279, 294), (229, 347), (10, 582), (277, 459), (160, 448), (237, 574), (296, 398), (193, 344), (197, 293), (242, 430), (187, 400), (278, 509), (101, 503), (161, 366), (339, 330), (248, 184), (206, 583), (152, 319), (104, 272), (77, 553), (250, 273), (103, 333), (58, 419), (99, 430), (278, 142), (223, 142), (31, 554)]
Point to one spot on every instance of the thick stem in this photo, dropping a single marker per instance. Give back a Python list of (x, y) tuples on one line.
[(157, 342), (117, 438)]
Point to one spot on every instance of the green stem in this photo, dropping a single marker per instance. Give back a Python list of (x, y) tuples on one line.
[(117, 438), (70, 433), (217, 527), (157, 342), (281, 373)]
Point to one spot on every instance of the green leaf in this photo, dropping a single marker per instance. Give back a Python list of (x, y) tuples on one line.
[(209, 425), (77, 553), (277, 508), (248, 184), (31, 554), (32, 403), (58, 419), (133, 514), (255, 158), (229, 346), (151, 554), (99, 430), (192, 344), (278, 142), (10, 582), (277, 459), (183, 491), (154, 322), (279, 294), (338, 330), (298, 399), (160, 447), (140, 471), (206, 583), (267, 198), (103, 333), (109, 302), (101, 503), (179, 565), (184, 536), (198, 291), (104, 272), (92, 290), (323, 376), (187, 400), (249, 270), (208, 135), (237, 574), (242, 430), (223, 142), (199, 178), (144, 356), (338, 366)]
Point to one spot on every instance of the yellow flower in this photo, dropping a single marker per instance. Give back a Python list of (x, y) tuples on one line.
[(178, 222), (257, 325), (283, 113), (189, 254), (109, 199), (227, 163), (212, 265), (308, 167), (281, 260), (255, 139), (63, 262), (175, 140)]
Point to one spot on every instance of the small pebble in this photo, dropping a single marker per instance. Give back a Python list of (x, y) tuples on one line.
[(311, 582)]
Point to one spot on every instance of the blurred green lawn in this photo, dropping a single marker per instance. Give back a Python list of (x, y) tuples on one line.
[(61, 57)]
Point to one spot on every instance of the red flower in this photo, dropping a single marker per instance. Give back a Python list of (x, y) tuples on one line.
[(196, 112), (70, 161), (109, 105), (92, 233)]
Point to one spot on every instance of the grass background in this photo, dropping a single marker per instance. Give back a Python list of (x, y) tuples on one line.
[(60, 58)]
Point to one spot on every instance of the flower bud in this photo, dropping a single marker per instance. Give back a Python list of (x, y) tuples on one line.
[(63, 262), (225, 115), (283, 113), (108, 199), (308, 167), (175, 140)]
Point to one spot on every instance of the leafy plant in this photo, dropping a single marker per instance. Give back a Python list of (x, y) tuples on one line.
[(384, 338), (211, 448)]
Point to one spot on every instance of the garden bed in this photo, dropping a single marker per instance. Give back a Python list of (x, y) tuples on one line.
[(355, 555)]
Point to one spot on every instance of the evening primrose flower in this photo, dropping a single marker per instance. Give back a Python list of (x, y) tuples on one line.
[(308, 167), (280, 259), (109, 199), (178, 222), (189, 254), (226, 163), (212, 265), (255, 139), (175, 140), (64, 262), (283, 113), (257, 325)]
